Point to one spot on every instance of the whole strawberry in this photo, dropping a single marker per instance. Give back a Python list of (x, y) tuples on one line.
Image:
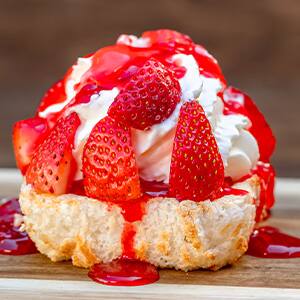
[(149, 97), (197, 170), (109, 167), (52, 167)]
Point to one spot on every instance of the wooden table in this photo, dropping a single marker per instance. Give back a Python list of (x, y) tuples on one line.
[(35, 277)]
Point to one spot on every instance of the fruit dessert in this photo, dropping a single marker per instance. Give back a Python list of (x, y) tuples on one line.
[(143, 152)]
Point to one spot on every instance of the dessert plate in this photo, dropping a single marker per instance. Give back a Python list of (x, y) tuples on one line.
[(30, 276)]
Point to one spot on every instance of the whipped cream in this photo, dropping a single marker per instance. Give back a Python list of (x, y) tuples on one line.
[(82, 65), (90, 114), (238, 148), (153, 148)]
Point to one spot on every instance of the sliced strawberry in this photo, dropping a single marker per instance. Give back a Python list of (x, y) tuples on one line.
[(197, 170), (238, 102), (149, 97), (109, 166), (52, 167), (27, 135), (169, 39)]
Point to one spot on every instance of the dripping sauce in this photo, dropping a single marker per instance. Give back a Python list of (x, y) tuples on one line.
[(12, 240), (128, 270), (269, 242)]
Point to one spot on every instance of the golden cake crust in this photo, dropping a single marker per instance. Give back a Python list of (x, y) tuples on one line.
[(183, 235)]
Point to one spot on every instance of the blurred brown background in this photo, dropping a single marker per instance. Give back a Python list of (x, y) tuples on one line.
[(256, 42)]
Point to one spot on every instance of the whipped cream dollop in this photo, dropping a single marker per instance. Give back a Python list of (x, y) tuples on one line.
[(238, 148), (153, 148)]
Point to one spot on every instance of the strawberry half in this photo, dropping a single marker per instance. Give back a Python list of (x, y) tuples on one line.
[(197, 170), (149, 97), (52, 167), (238, 102), (109, 166), (84, 95), (27, 135)]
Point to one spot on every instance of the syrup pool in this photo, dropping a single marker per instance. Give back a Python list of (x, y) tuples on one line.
[(269, 242), (128, 270), (12, 240), (124, 272)]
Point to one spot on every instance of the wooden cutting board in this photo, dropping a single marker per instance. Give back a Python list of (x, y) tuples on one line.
[(36, 277)]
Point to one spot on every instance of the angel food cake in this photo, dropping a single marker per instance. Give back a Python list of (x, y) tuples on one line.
[(143, 151)]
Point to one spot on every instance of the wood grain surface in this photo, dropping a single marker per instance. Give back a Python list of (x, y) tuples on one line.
[(256, 42), (25, 277), (248, 272)]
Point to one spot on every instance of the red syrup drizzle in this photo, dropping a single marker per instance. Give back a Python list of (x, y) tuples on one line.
[(128, 270), (266, 200), (269, 242), (12, 240), (266, 174), (112, 66), (226, 191)]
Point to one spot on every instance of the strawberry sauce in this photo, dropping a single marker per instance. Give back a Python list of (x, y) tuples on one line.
[(12, 240), (113, 65), (124, 272), (127, 270), (269, 242)]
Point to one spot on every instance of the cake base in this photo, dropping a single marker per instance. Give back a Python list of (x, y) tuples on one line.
[(183, 235)]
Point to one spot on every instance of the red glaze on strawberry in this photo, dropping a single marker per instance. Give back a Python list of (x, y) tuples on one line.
[(266, 199), (27, 135), (52, 167), (238, 102), (174, 42), (197, 170), (109, 166), (84, 95), (169, 40), (266, 175), (149, 97), (208, 65), (56, 94), (113, 66)]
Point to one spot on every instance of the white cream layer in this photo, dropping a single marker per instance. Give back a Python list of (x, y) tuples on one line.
[(238, 148)]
